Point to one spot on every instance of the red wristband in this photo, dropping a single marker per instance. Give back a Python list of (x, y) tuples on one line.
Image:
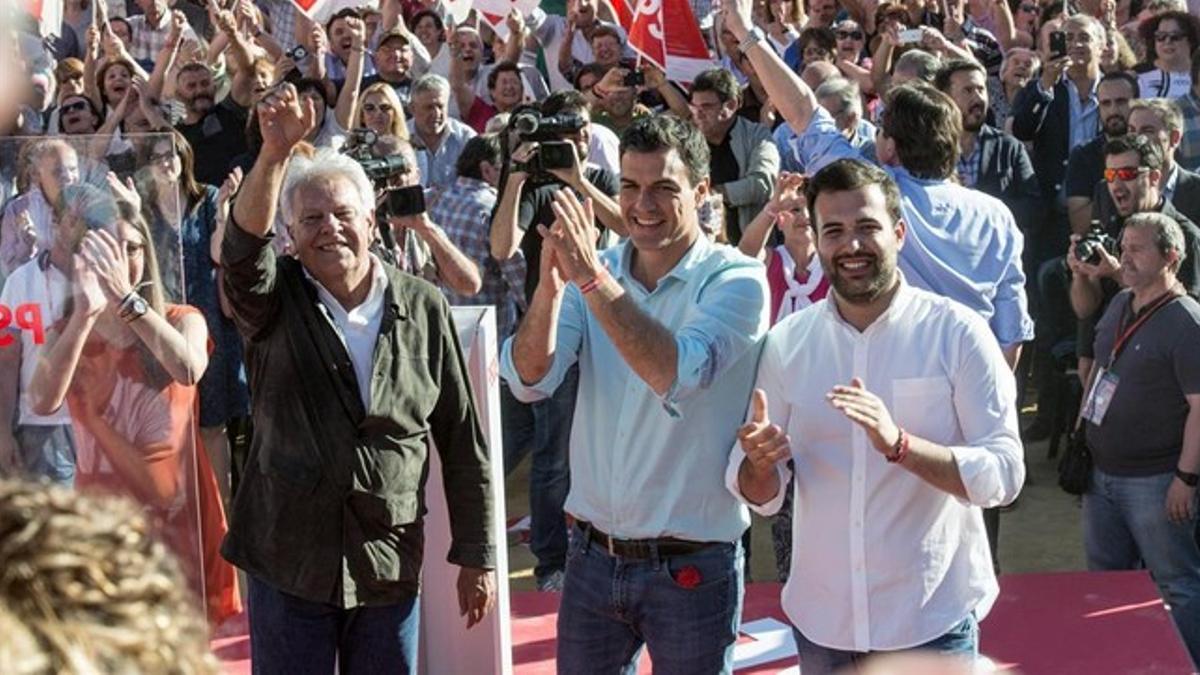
[(595, 283), (900, 449)]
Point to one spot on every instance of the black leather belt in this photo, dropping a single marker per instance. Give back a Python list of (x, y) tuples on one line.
[(642, 548)]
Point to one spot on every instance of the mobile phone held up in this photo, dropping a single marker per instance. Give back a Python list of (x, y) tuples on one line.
[(1058, 44), (910, 36)]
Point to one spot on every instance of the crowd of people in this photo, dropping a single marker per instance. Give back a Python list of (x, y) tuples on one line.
[(817, 280)]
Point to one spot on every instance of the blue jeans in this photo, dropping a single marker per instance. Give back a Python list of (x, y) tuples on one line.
[(47, 451), (1125, 527), (612, 606), (543, 428), (290, 635), (961, 641)]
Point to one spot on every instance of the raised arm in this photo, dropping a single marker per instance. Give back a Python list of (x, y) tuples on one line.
[(674, 364), (786, 199), (285, 119), (790, 95), (347, 101)]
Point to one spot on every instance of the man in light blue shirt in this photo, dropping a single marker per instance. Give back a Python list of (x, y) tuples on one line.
[(438, 137), (666, 330), (961, 243)]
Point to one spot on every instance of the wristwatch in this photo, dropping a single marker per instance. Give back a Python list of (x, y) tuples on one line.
[(133, 307), (753, 37), (1189, 479)]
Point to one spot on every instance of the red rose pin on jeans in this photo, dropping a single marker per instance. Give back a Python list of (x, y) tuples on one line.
[(688, 577)]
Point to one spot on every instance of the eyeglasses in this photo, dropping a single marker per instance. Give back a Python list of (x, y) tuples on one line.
[(72, 107), (1032, 9), (1169, 37), (849, 35), (382, 107), (162, 156), (1124, 173)]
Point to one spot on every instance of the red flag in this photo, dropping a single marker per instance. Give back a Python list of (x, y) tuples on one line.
[(679, 50), (622, 11), (646, 32)]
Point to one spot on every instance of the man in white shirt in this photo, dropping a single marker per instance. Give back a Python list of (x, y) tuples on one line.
[(899, 412)]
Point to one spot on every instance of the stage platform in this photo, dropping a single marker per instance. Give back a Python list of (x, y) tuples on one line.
[(1094, 623)]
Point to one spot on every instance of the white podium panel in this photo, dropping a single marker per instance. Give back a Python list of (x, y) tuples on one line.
[(446, 644)]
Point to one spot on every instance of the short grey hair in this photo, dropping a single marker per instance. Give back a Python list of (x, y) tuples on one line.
[(922, 64), (845, 92), (325, 164), (1090, 23), (430, 82), (1168, 235)]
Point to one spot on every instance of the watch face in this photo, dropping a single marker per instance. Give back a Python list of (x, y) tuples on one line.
[(140, 306)]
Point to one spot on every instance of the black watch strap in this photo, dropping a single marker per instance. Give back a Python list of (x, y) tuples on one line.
[(1189, 479)]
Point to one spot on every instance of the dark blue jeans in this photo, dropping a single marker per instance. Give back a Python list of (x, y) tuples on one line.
[(289, 635), (612, 606), (1125, 527), (962, 641), (543, 428)]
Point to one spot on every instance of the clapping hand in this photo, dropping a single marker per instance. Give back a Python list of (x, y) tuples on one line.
[(573, 237), (868, 411), (106, 258)]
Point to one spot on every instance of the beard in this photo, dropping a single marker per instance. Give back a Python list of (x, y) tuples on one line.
[(1115, 126), (878, 279), (974, 119)]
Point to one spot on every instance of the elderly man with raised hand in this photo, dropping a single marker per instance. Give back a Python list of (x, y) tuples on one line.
[(356, 368)]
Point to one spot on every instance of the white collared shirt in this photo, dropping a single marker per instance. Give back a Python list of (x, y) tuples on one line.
[(359, 326), (882, 559)]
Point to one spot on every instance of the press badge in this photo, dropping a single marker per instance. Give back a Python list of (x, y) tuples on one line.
[(1100, 396)]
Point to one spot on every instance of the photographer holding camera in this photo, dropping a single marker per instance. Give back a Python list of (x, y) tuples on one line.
[(406, 236), (1133, 176), (544, 427)]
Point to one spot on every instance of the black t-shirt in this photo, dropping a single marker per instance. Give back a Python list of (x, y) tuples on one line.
[(216, 140), (402, 88), (534, 209), (723, 168)]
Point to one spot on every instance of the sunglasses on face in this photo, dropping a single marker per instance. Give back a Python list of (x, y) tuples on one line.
[(849, 35), (1169, 37), (382, 107), (1031, 9), (162, 156), (1123, 173), (77, 106)]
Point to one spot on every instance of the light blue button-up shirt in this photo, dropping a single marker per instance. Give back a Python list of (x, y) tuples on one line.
[(645, 466), (1085, 116), (960, 243)]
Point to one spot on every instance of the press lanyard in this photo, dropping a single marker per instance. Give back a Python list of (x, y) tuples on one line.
[(1123, 336)]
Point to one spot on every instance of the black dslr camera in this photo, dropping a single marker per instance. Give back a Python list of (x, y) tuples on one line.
[(402, 201), (547, 131), (1090, 244)]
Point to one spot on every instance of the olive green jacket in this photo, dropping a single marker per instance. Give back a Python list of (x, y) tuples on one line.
[(332, 498)]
